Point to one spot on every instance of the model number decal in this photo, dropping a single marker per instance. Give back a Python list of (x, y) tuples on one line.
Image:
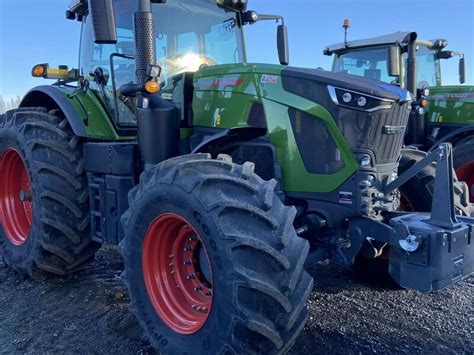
[(345, 197)]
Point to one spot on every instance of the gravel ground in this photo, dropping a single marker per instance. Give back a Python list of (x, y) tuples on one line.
[(87, 313)]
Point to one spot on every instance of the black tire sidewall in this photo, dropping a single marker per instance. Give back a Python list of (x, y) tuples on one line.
[(172, 199)]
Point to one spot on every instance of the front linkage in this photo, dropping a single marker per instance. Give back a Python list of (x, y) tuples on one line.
[(428, 251)]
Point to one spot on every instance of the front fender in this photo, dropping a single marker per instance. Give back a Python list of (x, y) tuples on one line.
[(454, 136)]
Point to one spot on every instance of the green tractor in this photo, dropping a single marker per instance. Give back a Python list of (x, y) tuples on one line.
[(219, 179), (440, 113)]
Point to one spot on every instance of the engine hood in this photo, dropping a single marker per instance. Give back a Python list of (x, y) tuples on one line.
[(349, 82)]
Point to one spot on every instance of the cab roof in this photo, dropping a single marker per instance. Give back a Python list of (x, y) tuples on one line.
[(400, 38)]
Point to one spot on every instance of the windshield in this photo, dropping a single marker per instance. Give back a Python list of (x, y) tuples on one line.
[(373, 63), (369, 63), (192, 33), (189, 34)]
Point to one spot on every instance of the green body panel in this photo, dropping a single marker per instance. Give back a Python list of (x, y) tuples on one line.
[(451, 104), (87, 104), (224, 96)]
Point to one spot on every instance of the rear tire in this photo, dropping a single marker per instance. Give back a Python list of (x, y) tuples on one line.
[(57, 238), (258, 283)]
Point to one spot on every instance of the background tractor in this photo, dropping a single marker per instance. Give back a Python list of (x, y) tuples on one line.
[(219, 179), (440, 113)]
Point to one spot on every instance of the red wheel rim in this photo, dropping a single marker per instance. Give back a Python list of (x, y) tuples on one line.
[(177, 273), (466, 173), (15, 197)]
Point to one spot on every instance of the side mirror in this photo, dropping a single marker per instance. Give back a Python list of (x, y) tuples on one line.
[(445, 54), (283, 48), (103, 21), (462, 70), (394, 61)]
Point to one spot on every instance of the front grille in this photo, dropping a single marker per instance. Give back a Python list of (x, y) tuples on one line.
[(381, 131), (316, 146), (257, 116)]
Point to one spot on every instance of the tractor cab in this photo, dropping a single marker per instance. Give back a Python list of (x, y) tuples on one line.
[(205, 35), (385, 58)]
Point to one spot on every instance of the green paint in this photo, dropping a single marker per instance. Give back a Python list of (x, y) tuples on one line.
[(224, 96), (88, 105), (451, 104)]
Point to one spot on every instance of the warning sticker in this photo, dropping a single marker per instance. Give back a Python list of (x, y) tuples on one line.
[(269, 79), (345, 197)]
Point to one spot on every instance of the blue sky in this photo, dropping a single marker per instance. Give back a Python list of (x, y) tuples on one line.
[(35, 31)]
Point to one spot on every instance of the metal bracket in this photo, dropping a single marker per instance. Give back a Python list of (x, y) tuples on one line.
[(443, 213), (442, 209)]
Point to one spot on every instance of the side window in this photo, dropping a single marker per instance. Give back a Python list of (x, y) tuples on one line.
[(221, 43), (94, 56)]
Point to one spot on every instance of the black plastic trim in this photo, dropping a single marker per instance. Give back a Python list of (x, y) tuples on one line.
[(35, 98)]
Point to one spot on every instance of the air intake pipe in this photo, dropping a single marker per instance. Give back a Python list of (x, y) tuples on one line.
[(144, 39), (416, 123), (158, 120)]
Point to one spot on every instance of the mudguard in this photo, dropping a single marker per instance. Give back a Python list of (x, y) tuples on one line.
[(82, 109), (454, 136)]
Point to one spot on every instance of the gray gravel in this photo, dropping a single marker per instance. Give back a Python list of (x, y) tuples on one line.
[(87, 313)]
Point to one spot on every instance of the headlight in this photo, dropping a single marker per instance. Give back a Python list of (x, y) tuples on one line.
[(347, 97), (358, 100), (361, 101)]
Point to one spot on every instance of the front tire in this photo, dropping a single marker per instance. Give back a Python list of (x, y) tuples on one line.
[(223, 243)]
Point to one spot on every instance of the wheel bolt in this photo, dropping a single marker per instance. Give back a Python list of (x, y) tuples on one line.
[(192, 239), (209, 293), (25, 196), (198, 288), (172, 272), (188, 248), (171, 256), (188, 262), (194, 307), (191, 276), (171, 264)]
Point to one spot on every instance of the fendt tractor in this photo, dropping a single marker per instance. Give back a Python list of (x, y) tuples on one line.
[(220, 180), (440, 113)]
